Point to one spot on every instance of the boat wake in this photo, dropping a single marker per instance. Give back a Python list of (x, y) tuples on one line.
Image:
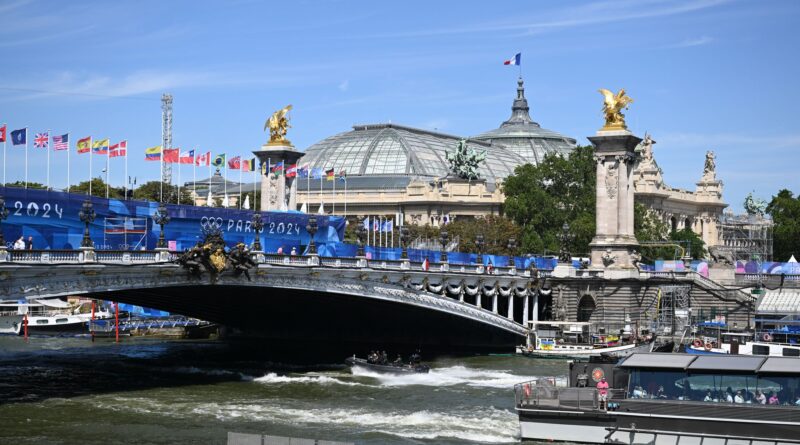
[(273, 378), (449, 376)]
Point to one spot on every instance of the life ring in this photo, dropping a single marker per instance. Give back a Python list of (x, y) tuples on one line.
[(697, 343), (527, 389), (709, 346), (766, 337)]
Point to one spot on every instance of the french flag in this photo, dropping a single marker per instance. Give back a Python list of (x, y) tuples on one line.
[(516, 60)]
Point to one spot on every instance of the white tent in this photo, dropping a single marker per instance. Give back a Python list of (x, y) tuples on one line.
[(246, 204), (304, 208), (210, 199), (225, 201), (321, 210), (792, 260)]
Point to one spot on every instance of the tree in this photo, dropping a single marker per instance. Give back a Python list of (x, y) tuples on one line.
[(541, 198), (31, 185), (784, 208), (496, 231), (152, 191), (694, 245), (98, 189), (649, 228)]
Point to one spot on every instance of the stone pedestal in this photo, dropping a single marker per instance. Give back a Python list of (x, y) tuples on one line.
[(277, 192), (614, 240)]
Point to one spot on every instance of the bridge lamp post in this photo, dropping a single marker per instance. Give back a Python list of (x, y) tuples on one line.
[(512, 245), (86, 215), (311, 227), (3, 217), (479, 245), (361, 234), (566, 238), (443, 238), (161, 218), (404, 242), (258, 224)]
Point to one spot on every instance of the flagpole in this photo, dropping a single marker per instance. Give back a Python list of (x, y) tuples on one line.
[(240, 184), (320, 189), (68, 150), (125, 179), (333, 195), (4, 154), (345, 195), (179, 177), (108, 166), (161, 175), (91, 155), (48, 159), (26, 157), (225, 180), (308, 187), (194, 175)]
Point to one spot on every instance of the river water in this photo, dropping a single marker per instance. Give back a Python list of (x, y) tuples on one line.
[(144, 391)]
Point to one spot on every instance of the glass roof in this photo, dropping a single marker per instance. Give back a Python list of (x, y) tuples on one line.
[(390, 149)]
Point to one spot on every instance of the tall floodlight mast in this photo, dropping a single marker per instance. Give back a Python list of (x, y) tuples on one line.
[(166, 138)]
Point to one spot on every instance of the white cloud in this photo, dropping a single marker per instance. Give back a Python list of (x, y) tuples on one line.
[(699, 41)]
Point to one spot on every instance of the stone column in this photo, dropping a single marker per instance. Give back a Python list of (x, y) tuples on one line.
[(511, 306), (535, 308), (494, 302), (273, 188), (525, 309), (614, 239)]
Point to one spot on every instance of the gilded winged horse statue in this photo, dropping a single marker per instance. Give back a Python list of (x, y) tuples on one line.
[(612, 109), (278, 123)]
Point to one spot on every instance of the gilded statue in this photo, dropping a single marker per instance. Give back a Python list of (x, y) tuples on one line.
[(612, 109), (278, 123)]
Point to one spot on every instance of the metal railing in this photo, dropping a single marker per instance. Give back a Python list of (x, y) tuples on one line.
[(538, 393)]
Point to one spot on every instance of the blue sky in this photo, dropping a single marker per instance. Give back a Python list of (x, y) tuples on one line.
[(704, 74)]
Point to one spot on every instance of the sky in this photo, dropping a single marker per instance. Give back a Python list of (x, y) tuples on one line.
[(717, 75)]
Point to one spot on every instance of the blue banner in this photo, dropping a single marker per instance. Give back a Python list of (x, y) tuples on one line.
[(51, 219)]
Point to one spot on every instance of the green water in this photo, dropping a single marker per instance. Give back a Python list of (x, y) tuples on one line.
[(72, 391)]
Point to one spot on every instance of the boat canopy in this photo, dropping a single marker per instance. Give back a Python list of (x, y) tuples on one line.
[(713, 363), (53, 302)]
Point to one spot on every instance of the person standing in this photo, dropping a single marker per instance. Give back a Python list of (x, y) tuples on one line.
[(29, 243), (19, 244), (602, 393)]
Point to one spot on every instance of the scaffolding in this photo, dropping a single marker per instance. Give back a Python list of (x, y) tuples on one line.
[(747, 237)]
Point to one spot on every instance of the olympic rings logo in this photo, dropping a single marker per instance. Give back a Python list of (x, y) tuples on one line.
[(211, 223)]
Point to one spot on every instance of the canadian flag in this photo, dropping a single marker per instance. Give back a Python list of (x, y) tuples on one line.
[(203, 160), (426, 264)]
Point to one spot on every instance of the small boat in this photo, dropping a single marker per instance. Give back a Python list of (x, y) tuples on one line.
[(51, 316), (572, 340), (389, 368)]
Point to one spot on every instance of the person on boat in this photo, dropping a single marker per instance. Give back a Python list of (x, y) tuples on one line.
[(708, 397), (415, 358), (738, 398), (372, 357), (773, 399), (602, 392), (398, 361), (761, 398), (797, 402), (639, 392), (384, 358), (293, 252), (729, 395), (660, 394)]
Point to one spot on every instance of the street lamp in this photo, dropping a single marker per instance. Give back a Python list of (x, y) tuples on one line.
[(311, 227), (443, 241), (361, 235), (3, 216), (86, 215), (512, 245), (258, 224), (566, 238), (161, 218), (404, 242), (479, 246)]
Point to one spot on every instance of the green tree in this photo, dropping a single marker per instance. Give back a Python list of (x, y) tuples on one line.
[(31, 185), (496, 231), (694, 245), (152, 191), (541, 198), (98, 189), (649, 228), (784, 208)]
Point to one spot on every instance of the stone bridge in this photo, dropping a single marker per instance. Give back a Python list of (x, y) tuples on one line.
[(305, 299)]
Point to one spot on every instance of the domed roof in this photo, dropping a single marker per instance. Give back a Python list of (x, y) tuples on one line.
[(521, 135), (396, 150)]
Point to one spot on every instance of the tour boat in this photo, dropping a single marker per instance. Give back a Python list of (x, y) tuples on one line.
[(554, 339), (656, 398), (778, 343), (50, 316)]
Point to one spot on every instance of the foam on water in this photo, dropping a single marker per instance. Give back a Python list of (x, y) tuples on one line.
[(273, 378), (450, 376)]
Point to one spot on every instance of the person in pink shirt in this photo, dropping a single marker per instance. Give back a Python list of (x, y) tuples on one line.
[(602, 392), (773, 399)]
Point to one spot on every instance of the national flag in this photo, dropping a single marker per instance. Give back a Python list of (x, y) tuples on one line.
[(100, 147), (302, 172), (387, 226), (235, 163), (291, 171), (61, 142), (426, 264), (277, 169), (329, 175), (249, 165), (187, 157), (219, 160), (19, 137), (366, 223), (489, 268), (316, 173), (203, 160), (171, 155), (376, 225), (118, 149), (85, 145), (3, 133), (152, 153), (265, 167), (516, 60), (343, 175), (41, 140)]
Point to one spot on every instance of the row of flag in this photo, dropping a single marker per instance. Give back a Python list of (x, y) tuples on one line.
[(61, 142)]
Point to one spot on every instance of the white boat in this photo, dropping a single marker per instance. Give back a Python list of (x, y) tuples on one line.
[(51, 316), (558, 339), (744, 343)]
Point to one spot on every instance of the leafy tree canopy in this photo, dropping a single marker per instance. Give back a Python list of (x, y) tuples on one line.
[(784, 208), (31, 185)]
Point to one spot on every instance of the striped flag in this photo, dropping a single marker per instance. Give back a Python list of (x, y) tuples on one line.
[(100, 147), (3, 130), (152, 153), (61, 142), (329, 175), (187, 157), (249, 165)]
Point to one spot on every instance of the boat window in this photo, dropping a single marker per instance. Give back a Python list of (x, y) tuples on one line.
[(45, 321), (707, 387), (760, 350), (791, 352), (61, 320), (646, 384)]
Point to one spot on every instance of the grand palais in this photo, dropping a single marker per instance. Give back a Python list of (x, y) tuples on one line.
[(401, 173)]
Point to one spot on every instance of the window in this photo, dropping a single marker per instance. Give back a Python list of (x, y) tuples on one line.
[(42, 321), (760, 350), (791, 352)]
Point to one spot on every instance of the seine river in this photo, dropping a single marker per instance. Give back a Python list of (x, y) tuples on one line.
[(144, 391)]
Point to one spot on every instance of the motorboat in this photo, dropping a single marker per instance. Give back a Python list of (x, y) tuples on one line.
[(389, 367), (574, 340), (657, 398)]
